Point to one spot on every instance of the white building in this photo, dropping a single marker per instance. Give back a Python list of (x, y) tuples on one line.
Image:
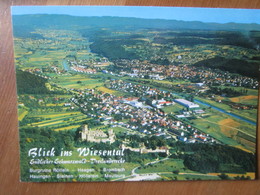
[(186, 103)]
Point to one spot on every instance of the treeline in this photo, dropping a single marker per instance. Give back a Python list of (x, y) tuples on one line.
[(207, 158), (28, 83), (95, 33), (150, 142), (241, 67), (227, 92), (198, 33), (182, 41)]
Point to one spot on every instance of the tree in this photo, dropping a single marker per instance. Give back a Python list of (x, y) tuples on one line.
[(176, 172), (223, 176)]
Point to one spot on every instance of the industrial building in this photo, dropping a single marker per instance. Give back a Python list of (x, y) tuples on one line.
[(186, 103)]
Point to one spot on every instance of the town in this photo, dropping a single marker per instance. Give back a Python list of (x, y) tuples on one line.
[(139, 117), (205, 76)]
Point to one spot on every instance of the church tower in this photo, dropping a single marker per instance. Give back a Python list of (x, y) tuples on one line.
[(84, 133)]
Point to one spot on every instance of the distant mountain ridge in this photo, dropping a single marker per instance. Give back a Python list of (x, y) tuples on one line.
[(67, 21)]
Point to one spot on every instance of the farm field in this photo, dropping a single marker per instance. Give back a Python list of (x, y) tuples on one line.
[(79, 81), (249, 99), (22, 112), (226, 130), (59, 121)]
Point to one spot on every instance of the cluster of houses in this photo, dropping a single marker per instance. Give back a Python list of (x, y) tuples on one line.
[(211, 77), (142, 91), (83, 69), (136, 68), (81, 66), (131, 114), (207, 76), (89, 62), (41, 71), (89, 66)]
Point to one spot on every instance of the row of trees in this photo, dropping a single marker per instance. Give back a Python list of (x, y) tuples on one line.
[(228, 92)]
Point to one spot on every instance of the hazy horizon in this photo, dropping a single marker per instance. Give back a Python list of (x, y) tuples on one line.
[(207, 15)]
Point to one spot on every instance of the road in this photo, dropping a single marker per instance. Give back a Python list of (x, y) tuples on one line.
[(144, 176), (153, 176)]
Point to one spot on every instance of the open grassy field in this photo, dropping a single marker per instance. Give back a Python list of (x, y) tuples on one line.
[(229, 127), (173, 108), (249, 99), (110, 91), (210, 126), (106, 90), (119, 130), (39, 59)]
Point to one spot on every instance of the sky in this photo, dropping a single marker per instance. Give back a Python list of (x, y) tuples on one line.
[(218, 15)]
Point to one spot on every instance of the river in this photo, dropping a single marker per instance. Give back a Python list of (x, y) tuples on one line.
[(225, 112), (65, 65)]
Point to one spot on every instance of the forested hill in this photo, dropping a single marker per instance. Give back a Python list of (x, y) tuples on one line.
[(28, 83), (66, 21), (232, 65)]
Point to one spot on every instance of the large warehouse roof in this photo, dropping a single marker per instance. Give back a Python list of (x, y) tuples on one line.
[(186, 103)]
